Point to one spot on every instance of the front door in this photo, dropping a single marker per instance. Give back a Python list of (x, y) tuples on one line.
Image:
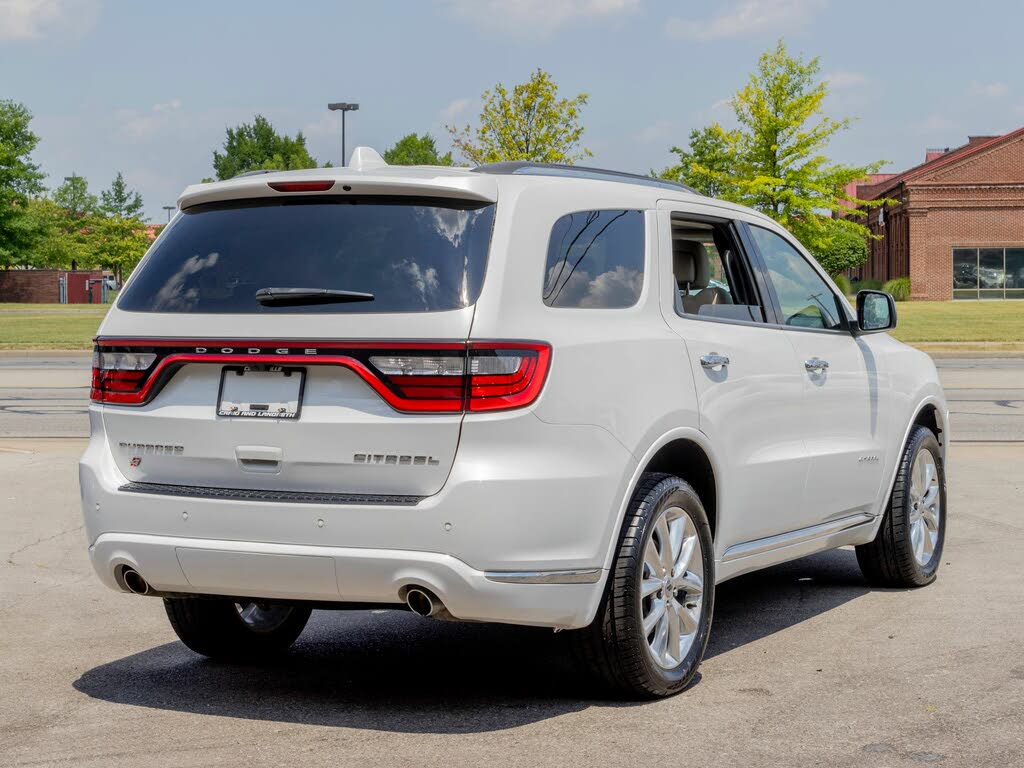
[(748, 382), (843, 409)]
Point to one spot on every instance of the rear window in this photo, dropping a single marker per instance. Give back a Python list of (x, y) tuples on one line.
[(413, 255)]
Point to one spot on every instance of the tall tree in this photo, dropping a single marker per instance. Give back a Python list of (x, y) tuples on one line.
[(257, 146), (706, 164), (121, 201), (75, 198), (416, 150), (529, 122), (118, 243), (20, 178), (775, 160)]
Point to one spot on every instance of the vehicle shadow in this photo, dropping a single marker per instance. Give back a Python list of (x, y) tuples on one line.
[(393, 671)]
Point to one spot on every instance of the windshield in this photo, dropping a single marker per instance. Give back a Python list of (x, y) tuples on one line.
[(411, 254)]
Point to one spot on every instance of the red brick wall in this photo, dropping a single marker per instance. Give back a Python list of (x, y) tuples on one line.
[(35, 286)]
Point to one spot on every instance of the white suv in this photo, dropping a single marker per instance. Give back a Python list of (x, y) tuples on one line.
[(519, 393)]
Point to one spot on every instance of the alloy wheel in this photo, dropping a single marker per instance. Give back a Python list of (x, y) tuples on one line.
[(672, 587)]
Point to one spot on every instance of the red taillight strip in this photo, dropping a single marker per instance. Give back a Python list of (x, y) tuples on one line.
[(412, 394)]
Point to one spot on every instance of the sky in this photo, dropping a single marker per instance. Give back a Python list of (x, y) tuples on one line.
[(148, 88)]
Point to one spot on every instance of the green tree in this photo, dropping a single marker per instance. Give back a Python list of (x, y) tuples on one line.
[(845, 248), (20, 178), (529, 122), (121, 201), (707, 163), (257, 146), (416, 150), (775, 160), (75, 198), (118, 243), (60, 239)]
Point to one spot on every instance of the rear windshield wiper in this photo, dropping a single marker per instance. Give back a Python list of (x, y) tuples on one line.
[(277, 297)]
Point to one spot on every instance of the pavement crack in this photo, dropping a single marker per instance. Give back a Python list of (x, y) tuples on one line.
[(43, 540)]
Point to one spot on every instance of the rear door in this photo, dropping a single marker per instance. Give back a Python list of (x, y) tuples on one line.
[(748, 385), (204, 384), (844, 398)]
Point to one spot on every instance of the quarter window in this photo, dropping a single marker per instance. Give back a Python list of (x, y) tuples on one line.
[(805, 298), (595, 260)]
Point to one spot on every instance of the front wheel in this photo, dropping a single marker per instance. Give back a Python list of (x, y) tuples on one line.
[(224, 629), (653, 624), (908, 548)]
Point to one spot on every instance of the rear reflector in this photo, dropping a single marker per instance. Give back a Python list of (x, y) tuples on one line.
[(413, 377), (300, 186)]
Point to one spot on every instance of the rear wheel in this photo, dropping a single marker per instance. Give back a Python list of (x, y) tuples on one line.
[(908, 548), (224, 629), (653, 623)]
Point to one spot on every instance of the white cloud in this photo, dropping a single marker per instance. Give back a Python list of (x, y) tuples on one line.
[(658, 131), (532, 18), (137, 125), (34, 19), (452, 112), (988, 90), (839, 80), (745, 18)]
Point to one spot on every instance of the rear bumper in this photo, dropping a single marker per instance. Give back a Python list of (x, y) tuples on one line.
[(291, 572), (526, 504)]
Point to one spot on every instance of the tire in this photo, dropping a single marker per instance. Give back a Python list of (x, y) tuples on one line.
[(615, 646), (222, 629), (908, 548)]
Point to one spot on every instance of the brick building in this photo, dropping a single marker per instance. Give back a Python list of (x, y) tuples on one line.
[(46, 286), (957, 226)]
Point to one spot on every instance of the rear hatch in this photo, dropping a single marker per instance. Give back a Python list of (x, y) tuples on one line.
[(306, 343)]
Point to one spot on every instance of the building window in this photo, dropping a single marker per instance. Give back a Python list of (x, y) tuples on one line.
[(988, 273)]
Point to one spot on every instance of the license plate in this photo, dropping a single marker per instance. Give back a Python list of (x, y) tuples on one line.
[(269, 392)]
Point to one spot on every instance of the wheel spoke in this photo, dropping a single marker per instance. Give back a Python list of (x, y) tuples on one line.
[(664, 546), (653, 560), (929, 518), (691, 583), (917, 535), (686, 555), (930, 495), (927, 544), (658, 608), (929, 475), (649, 587), (675, 644), (660, 637), (689, 618)]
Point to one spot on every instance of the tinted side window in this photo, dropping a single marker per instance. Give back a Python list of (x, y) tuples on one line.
[(595, 260), (806, 299)]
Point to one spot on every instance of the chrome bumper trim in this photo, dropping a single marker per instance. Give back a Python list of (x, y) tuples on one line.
[(588, 576)]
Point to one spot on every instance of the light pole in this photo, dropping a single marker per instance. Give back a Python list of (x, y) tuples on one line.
[(169, 208), (344, 107)]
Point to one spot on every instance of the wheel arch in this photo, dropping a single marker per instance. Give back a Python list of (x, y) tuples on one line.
[(687, 454)]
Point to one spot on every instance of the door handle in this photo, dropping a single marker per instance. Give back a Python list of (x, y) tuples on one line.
[(714, 361), (816, 365)]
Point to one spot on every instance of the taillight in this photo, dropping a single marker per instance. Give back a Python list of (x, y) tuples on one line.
[(118, 377), (414, 377), (494, 376)]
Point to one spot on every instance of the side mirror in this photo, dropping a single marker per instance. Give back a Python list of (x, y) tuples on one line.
[(876, 312)]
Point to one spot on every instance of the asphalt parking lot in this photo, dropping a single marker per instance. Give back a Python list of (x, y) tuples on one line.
[(807, 665)]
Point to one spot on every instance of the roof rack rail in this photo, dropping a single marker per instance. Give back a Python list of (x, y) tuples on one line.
[(255, 173), (526, 168)]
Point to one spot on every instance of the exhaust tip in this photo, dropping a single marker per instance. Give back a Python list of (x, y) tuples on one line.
[(421, 602), (134, 582)]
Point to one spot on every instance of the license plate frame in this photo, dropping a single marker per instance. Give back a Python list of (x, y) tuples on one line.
[(281, 391)]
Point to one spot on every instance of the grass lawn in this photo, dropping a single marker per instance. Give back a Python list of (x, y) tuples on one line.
[(960, 321), (62, 326), (49, 326)]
